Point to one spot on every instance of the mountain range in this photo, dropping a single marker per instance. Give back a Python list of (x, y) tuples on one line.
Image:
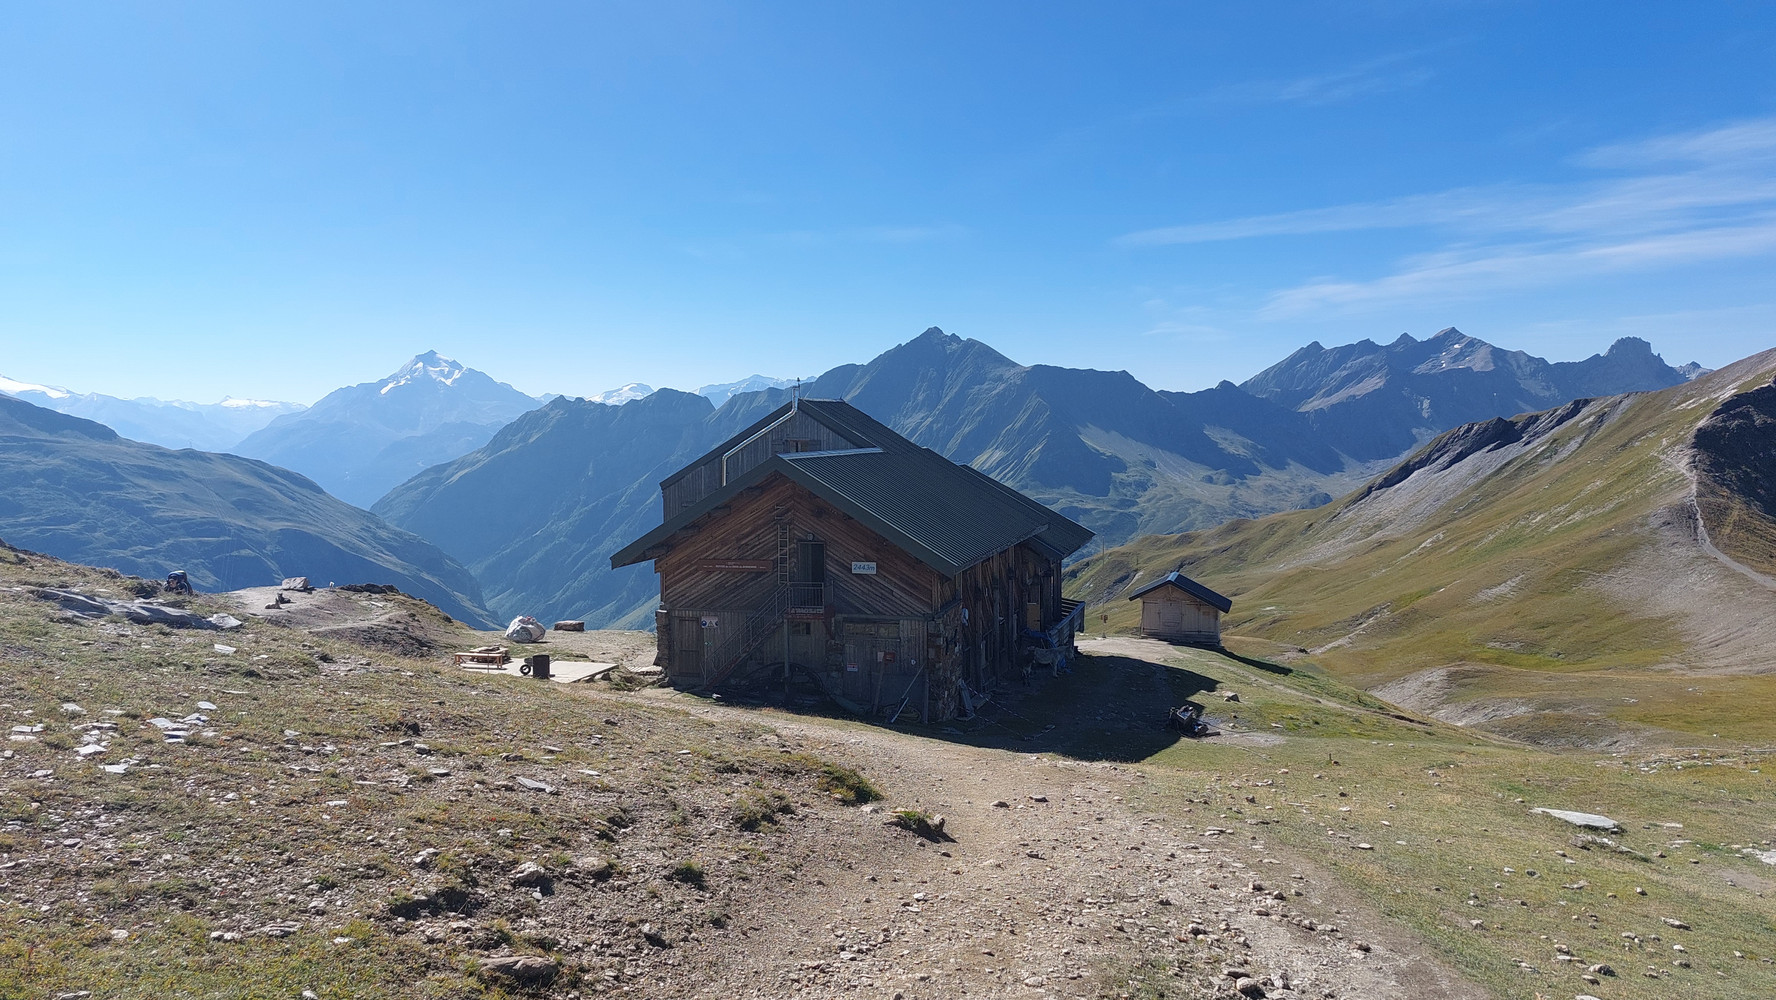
[(1371, 401), (361, 440), (170, 423), (717, 393), (536, 510), (73, 488), (1557, 577)]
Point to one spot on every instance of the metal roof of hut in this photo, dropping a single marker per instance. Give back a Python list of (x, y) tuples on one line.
[(946, 515), (1188, 586)]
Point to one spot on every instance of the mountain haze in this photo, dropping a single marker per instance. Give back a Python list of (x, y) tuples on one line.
[(361, 440), (74, 489), (169, 423), (537, 511)]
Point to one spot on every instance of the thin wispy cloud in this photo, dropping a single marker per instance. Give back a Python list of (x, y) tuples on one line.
[(1691, 197), (1457, 274), (1377, 76), (740, 246)]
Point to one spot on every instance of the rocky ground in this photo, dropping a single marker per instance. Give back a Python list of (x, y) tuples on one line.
[(316, 801)]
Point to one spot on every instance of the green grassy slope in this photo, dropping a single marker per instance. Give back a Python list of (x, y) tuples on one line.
[(1451, 837), (1549, 560)]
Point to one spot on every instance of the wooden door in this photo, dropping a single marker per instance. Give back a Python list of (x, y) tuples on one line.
[(687, 647)]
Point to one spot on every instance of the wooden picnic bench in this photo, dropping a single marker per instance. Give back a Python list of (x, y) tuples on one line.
[(487, 658)]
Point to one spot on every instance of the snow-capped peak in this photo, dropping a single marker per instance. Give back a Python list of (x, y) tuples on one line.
[(248, 404), (721, 392), (623, 394), (11, 386), (430, 365)]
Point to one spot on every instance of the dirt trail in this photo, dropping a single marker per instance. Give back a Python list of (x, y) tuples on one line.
[(1039, 896)]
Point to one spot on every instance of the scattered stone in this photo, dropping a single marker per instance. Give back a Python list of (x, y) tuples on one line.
[(299, 584), (1674, 922), (538, 786), (530, 875), (206, 706), (1230, 696), (224, 649), (1249, 987), (1001, 804)]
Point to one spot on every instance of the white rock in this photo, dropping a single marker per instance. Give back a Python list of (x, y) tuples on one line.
[(1589, 820)]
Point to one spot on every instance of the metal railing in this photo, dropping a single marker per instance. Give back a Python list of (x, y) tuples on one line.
[(762, 623), (807, 595)]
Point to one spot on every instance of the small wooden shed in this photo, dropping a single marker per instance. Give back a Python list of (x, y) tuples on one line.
[(1178, 609)]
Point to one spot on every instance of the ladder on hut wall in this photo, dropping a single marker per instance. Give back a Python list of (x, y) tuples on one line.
[(762, 623)]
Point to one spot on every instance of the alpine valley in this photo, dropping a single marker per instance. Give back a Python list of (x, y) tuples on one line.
[(532, 497), (536, 512)]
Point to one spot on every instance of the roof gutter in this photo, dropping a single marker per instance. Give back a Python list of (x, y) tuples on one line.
[(794, 408)]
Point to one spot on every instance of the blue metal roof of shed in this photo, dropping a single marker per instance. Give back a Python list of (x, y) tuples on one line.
[(1189, 586)]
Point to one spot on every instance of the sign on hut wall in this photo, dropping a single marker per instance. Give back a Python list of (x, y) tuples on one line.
[(737, 565), (863, 568)]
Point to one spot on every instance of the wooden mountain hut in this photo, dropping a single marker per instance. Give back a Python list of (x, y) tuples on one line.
[(819, 540), (1178, 609)]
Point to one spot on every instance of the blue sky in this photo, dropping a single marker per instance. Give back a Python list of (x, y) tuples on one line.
[(274, 200)]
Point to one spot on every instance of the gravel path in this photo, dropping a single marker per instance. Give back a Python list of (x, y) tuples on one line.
[(1052, 886)]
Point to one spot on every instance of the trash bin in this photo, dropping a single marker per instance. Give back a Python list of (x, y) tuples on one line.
[(536, 666)]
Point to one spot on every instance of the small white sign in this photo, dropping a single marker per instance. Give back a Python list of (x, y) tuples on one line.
[(710, 621), (863, 568)]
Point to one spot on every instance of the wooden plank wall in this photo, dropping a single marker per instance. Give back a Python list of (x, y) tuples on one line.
[(706, 477), (994, 593), (978, 647), (1175, 615), (901, 587)]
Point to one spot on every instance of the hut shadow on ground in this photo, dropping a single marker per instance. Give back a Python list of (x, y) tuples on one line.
[(1110, 708), (1256, 664)]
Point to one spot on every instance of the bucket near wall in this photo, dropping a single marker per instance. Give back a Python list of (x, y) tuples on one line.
[(536, 666)]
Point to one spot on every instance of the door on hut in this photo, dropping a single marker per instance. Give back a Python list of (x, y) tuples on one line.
[(687, 646), (807, 579), (872, 652), (1171, 617)]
